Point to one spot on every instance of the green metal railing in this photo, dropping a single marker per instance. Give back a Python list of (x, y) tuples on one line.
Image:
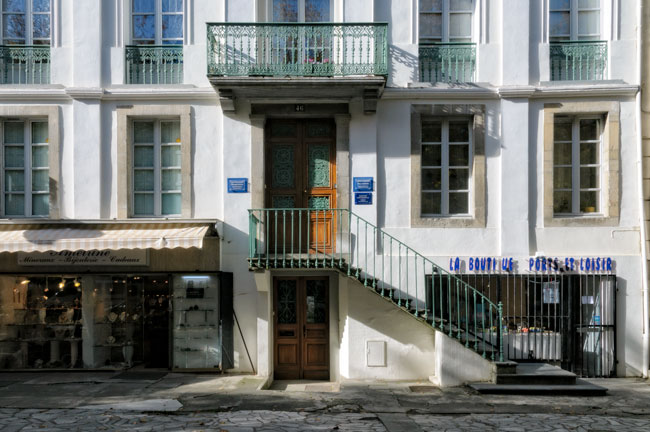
[(578, 60), (339, 239), (154, 64), (24, 64), (447, 62), (297, 49)]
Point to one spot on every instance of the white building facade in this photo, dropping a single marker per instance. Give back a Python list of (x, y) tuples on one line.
[(377, 189)]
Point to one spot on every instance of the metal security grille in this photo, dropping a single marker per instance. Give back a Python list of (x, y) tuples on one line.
[(567, 320)]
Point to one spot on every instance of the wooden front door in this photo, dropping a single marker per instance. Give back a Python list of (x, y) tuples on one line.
[(301, 328), (301, 173)]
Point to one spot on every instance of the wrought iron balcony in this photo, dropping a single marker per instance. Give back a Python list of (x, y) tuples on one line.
[(578, 60), (297, 49), (24, 64), (447, 62), (154, 64)]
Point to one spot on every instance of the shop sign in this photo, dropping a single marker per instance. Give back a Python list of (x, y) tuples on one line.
[(535, 264), (81, 258)]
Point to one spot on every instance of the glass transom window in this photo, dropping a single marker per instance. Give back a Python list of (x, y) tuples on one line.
[(574, 20), (26, 22), (445, 20), (446, 158), (576, 165), (156, 168), (300, 10), (26, 179), (157, 22)]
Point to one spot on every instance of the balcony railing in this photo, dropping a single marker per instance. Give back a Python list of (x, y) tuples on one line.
[(24, 64), (310, 50), (578, 60), (161, 64), (447, 62)]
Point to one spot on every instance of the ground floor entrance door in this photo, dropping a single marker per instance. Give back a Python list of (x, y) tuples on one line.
[(301, 327), (301, 173)]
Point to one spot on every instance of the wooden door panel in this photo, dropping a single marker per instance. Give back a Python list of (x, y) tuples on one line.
[(287, 350), (301, 327)]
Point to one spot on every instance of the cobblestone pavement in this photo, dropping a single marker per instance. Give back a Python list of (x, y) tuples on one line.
[(258, 421)]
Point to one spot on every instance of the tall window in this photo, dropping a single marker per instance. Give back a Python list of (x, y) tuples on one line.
[(574, 20), (576, 165), (157, 22), (446, 153), (156, 168), (301, 10), (26, 22), (446, 20), (26, 168)]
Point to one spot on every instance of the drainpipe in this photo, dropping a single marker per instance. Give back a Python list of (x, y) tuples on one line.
[(641, 58)]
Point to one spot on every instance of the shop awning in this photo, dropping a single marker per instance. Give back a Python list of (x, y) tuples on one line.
[(43, 237)]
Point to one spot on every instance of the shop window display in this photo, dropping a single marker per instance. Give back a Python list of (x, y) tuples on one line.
[(196, 322), (41, 322)]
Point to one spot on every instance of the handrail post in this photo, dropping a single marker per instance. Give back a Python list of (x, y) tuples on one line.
[(500, 323)]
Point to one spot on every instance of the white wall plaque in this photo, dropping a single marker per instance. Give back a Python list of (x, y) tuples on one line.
[(81, 258)]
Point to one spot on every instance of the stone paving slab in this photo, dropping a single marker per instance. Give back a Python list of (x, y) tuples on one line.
[(259, 421)]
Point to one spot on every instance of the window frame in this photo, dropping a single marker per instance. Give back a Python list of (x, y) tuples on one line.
[(609, 115), (29, 25), (477, 182), (158, 168), (445, 13), (27, 169), (574, 13), (158, 14), (445, 166), (576, 166), (301, 12), (125, 118)]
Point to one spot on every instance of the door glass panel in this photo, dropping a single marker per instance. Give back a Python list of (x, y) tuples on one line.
[(285, 10), (279, 129), (317, 10), (287, 302), (319, 202), (319, 165), (319, 130), (283, 201), (316, 300), (283, 167)]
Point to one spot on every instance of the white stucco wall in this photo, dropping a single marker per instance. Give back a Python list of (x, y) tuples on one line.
[(512, 38)]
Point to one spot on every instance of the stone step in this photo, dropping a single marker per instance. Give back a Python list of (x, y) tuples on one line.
[(537, 374), (580, 388)]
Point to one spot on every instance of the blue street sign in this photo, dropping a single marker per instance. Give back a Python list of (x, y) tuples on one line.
[(363, 184), (237, 185), (363, 198)]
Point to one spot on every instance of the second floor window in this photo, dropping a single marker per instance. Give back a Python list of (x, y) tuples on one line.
[(445, 20), (574, 20), (26, 22), (156, 168), (25, 169), (301, 10), (157, 22), (576, 165), (445, 177)]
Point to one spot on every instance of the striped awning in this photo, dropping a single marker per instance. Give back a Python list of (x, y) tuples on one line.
[(90, 236)]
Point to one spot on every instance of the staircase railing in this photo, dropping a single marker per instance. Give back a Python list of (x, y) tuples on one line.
[(339, 239)]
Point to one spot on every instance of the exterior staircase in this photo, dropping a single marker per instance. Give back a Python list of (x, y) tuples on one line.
[(340, 240)]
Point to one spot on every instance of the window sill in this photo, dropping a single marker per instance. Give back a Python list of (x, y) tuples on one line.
[(585, 220), (466, 221)]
